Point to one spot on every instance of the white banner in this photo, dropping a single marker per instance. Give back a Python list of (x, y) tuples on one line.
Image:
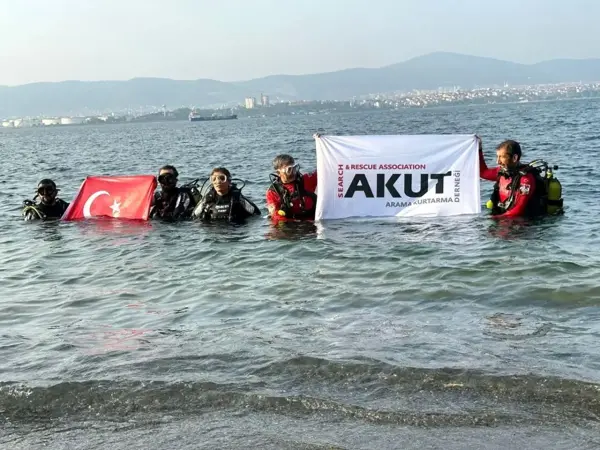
[(397, 175)]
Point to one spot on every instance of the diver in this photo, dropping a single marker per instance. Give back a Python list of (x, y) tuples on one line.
[(49, 207), (224, 200), (173, 202), (520, 189), (291, 194)]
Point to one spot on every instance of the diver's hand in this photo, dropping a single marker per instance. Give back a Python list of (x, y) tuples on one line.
[(282, 211), (479, 143)]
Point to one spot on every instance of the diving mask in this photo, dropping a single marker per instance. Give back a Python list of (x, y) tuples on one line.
[(167, 179), (220, 178), (290, 170), (46, 191)]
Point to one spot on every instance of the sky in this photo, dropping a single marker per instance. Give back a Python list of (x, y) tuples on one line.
[(231, 40)]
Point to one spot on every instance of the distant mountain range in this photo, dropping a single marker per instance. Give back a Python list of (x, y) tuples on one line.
[(424, 72)]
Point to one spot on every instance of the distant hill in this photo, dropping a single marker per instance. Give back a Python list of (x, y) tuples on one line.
[(424, 72)]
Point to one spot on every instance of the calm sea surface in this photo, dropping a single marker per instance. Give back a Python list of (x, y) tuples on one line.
[(443, 333)]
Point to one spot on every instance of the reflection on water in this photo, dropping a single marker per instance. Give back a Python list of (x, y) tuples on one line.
[(112, 340), (292, 231), (519, 228), (103, 227)]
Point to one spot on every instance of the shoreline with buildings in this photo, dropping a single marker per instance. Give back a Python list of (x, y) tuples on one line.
[(250, 108)]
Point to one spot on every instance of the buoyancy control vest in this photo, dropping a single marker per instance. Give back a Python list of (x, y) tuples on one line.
[(547, 197), (232, 207), (179, 205), (40, 211), (300, 194), (211, 208)]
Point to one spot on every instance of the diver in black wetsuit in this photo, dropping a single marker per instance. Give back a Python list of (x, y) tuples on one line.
[(49, 207), (224, 201), (173, 202)]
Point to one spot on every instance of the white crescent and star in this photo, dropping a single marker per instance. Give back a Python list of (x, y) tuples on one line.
[(116, 206)]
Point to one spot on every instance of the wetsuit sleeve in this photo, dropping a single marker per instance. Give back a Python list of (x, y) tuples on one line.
[(250, 207), (273, 202), (310, 181), (64, 205), (485, 172), (526, 191)]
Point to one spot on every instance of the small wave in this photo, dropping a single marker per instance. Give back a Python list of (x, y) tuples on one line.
[(109, 400), (367, 391), (364, 370)]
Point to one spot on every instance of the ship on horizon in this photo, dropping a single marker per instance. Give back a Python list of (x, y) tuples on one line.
[(195, 117)]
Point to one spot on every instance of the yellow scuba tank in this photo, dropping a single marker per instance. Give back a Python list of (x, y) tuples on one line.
[(554, 189)]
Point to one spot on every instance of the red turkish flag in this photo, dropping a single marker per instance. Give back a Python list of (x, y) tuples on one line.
[(124, 197)]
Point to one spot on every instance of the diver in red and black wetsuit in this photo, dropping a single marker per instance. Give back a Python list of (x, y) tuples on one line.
[(518, 192), (291, 194)]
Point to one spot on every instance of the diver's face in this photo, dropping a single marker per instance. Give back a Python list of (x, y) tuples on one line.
[(288, 173), (167, 179), (505, 160), (220, 182), (47, 194)]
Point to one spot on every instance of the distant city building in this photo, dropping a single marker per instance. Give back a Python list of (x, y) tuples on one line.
[(264, 100), (71, 120), (444, 95)]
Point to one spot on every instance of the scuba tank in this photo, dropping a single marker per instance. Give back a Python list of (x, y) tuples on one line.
[(554, 190), (553, 202)]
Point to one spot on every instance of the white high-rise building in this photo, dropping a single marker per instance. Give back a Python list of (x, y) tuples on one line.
[(264, 100)]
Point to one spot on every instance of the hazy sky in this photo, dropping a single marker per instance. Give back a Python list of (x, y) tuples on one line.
[(53, 40)]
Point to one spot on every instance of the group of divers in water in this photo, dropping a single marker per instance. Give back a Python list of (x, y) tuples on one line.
[(520, 190)]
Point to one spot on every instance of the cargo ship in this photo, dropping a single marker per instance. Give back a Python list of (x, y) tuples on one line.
[(195, 117)]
